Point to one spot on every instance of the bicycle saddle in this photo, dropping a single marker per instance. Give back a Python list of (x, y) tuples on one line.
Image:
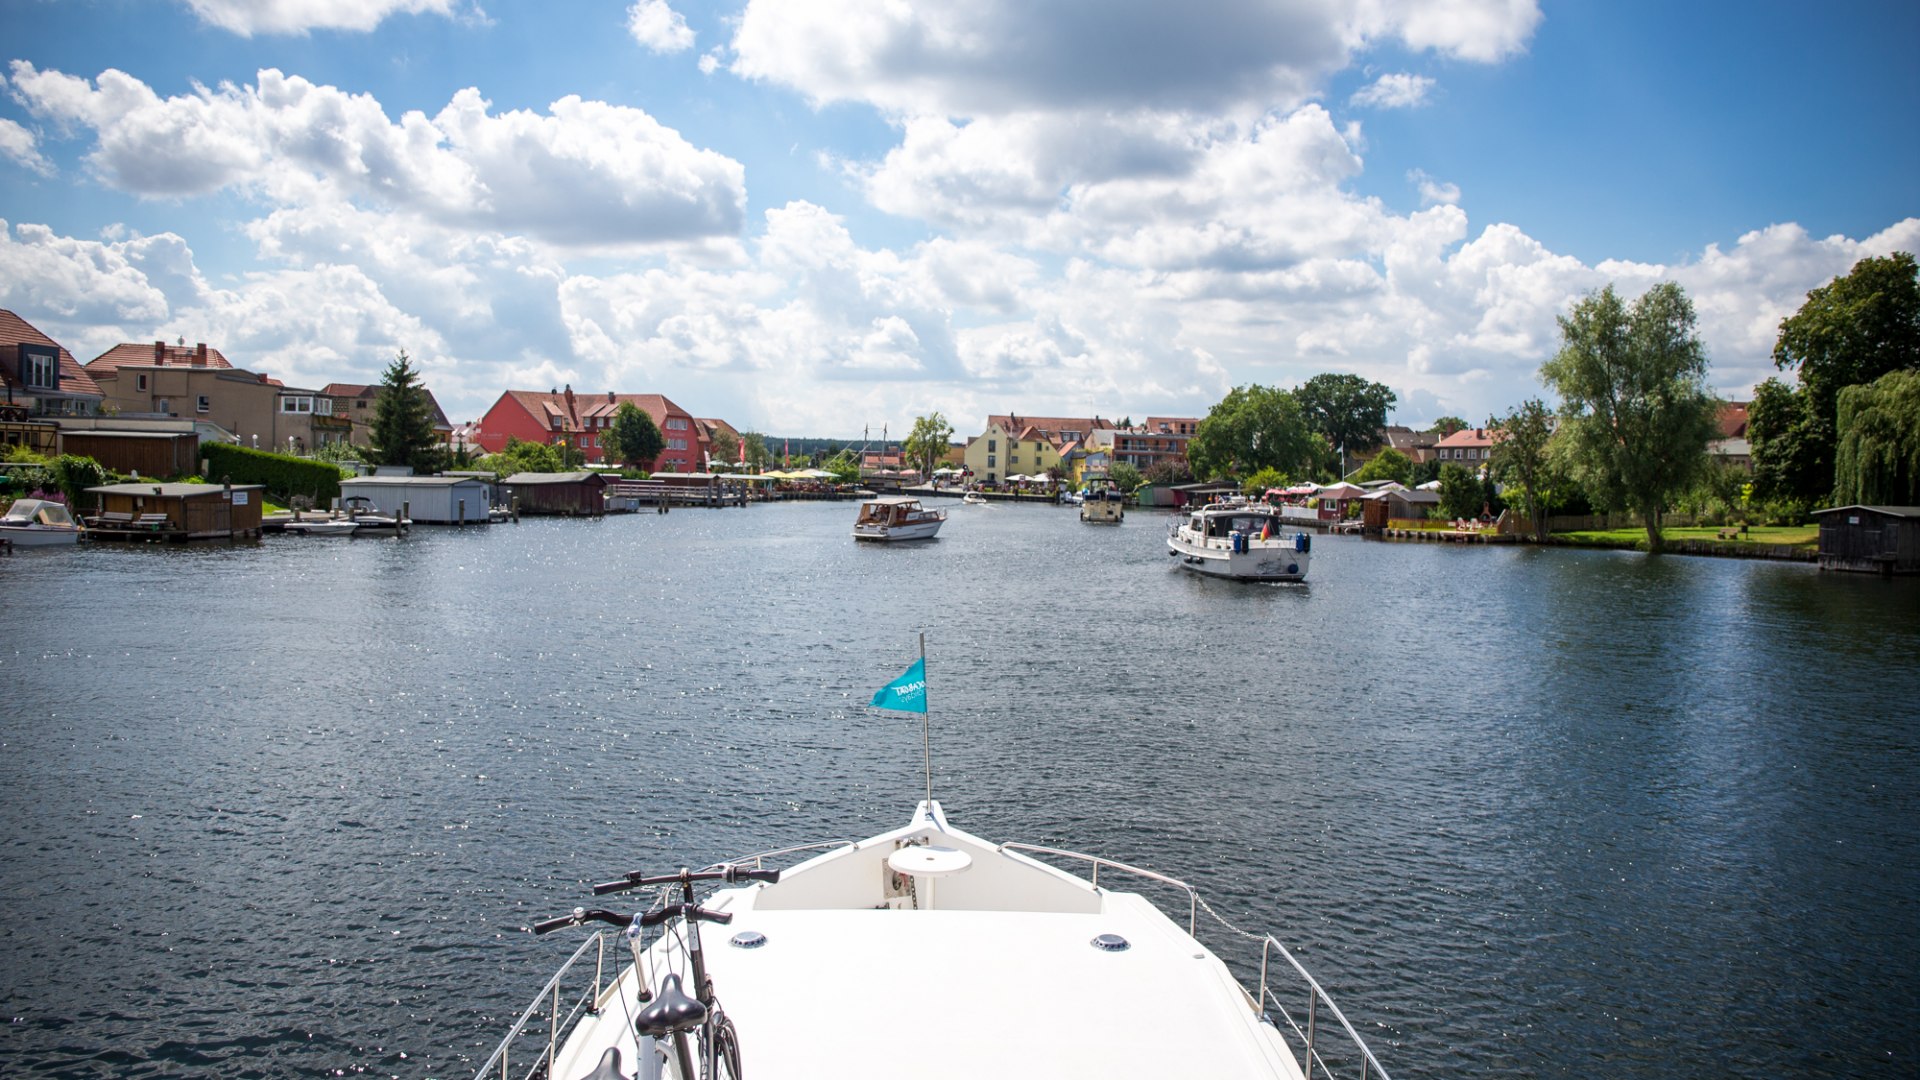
[(609, 1067), (671, 1011)]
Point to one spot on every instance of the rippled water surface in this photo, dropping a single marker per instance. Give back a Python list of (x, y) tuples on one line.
[(281, 809)]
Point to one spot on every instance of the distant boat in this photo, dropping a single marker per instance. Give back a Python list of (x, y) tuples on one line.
[(38, 523), (897, 517), (1239, 540), (324, 527), (1102, 504), (974, 498)]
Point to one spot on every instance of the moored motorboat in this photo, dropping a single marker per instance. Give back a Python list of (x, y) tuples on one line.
[(38, 523), (923, 951), (1245, 541), (323, 527), (897, 517), (1103, 504)]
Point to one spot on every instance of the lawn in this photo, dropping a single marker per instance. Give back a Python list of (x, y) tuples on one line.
[(1806, 536)]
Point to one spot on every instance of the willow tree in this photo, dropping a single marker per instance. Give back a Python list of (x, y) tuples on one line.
[(1877, 456), (1636, 414)]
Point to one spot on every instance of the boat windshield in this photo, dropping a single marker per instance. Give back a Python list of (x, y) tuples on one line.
[(37, 512)]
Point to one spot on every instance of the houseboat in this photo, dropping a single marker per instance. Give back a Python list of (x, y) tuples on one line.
[(897, 517), (1239, 540)]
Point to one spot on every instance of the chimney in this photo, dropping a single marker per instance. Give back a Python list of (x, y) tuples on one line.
[(571, 415), (200, 355), (159, 352), (609, 397)]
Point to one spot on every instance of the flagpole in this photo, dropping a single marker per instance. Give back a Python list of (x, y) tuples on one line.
[(926, 721)]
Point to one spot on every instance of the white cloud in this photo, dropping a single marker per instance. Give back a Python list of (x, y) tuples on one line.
[(250, 17), (658, 27), (20, 146), (997, 56), (1394, 91), (1432, 191), (584, 174)]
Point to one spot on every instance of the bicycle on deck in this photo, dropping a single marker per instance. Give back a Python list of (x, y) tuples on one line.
[(698, 1029)]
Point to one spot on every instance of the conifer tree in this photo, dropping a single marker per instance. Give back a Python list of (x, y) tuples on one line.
[(403, 421)]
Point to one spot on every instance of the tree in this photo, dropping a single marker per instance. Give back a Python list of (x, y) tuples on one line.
[(1850, 331), (928, 443), (756, 453), (1877, 459), (1462, 493), (1125, 476), (1347, 409), (519, 457), (845, 467), (1251, 428), (1635, 414), (402, 431), (1523, 458), (1169, 472), (1447, 425), (634, 439), (1256, 485), (1388, 464), (726, 448)]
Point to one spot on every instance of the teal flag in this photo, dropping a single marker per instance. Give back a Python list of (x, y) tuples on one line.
[(908, 693)]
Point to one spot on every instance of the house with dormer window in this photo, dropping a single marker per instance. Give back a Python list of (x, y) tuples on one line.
[(584, 421)]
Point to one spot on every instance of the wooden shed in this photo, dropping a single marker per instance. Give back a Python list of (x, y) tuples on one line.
[(149, 453), (1870, 539), (573, 493), (175, 511)]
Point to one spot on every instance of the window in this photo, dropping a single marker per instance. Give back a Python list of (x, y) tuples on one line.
[(296, 405), (161, 406), (140, 383), (675, 424), (323, 406), (992, 445), (39, 367), (360, 403), (203, 405), (989, 464)]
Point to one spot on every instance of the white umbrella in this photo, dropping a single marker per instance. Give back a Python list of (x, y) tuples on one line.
[(1431, 485)]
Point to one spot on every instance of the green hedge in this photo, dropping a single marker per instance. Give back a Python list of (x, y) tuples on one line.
[(284, 475)]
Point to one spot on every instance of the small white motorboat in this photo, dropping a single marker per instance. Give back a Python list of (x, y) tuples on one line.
[(324, 527), (974, 498), (1245, 541), (897, 517), (38, 523), (928, 952)]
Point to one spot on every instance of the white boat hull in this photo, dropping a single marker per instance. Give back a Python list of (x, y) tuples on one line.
[(39, 535), (914, 530), (1279, 559)]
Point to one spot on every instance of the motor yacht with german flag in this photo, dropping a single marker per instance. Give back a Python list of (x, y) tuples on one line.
[(924, 951), (1242, 540)]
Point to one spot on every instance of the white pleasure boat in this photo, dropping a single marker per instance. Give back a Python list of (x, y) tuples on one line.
[(897, 517), (1245, 541), (38, 523), (925, 952), (1103, 504)]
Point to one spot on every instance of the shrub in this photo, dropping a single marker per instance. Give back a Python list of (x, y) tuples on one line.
[(283, 476)]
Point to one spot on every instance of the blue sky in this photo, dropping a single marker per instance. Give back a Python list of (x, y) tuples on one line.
[(812, 217)]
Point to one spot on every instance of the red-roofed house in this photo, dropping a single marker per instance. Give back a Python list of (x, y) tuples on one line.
[(356, 402), (1732, 447), (40, 375), (582, 421), (157, 380), (1468, 447)]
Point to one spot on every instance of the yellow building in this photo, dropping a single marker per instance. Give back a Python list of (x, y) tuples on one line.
[(999, 452)]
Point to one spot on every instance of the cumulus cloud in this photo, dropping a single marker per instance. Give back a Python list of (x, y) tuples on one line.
[(1394, 91), (998, 56), (250, 17), (19, 145), (658, 27), (1433, 191), (584, 174)]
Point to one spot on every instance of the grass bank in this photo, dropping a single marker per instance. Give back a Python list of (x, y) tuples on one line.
[(1758, 542)]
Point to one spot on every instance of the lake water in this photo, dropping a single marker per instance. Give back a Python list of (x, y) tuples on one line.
[(280, 809)]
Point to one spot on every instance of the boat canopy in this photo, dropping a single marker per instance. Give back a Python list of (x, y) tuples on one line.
[(38, 512)]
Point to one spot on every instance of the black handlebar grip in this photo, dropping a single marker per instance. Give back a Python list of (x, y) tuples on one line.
[(742, 874), (658, 916), (703, 915), (606, 887), (550, 925)]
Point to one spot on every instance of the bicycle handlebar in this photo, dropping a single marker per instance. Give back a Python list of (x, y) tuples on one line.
[(693, 914), (730, 874), (585, 915)]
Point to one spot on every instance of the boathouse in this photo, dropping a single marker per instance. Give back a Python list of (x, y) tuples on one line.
[(573, 493), (1870, 539), (148, 453), (175, 511), (428, 500)]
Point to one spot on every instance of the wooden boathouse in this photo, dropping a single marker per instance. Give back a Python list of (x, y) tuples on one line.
[(572, 493), (175, 511), (1870, 539)]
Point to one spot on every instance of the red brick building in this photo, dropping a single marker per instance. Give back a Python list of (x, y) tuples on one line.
[(583, 421)]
